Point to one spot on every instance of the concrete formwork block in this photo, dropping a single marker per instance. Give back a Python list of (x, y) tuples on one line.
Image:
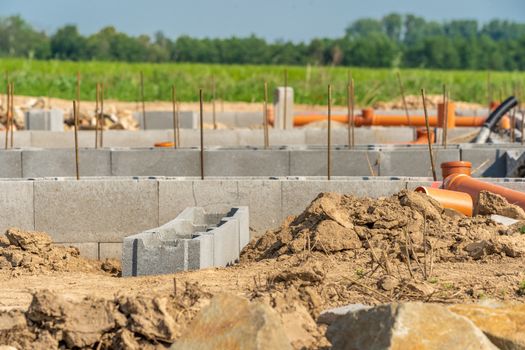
[(174, 197), (191, 138), (63, 139), (296, 195), (155, 162), (136, 139), (313, 162), (200, 240), (16, 205), (263, 197), (283, 116), (10, 163), (235, 119), (275, 137), (21, 138), (164, 120), (87, 249), (489, 162), (61, 162), (414, 162), (94, 210), (246, 162), (41, 119), (111, 250)]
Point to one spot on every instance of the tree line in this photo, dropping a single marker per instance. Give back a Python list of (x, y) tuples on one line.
[(392, 41)]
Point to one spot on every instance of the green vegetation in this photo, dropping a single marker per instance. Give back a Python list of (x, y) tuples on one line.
[(244, 82), (392, 41), (521, 288)]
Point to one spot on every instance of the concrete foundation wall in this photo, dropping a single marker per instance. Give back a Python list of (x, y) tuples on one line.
[(96, 214)]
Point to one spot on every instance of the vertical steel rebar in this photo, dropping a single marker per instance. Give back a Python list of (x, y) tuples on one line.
[(445, 117), (97, 95), (175, 122), (403, 97), (7, 113), (201, 133), (329, 129), (265, 116), (102, 120), (12, 114), (75, 118), (349, 110), (352, 112), (142, 98), (214, 115), (428, 135)]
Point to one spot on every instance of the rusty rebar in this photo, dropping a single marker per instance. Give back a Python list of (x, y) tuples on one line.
[(428, 135), (175, 121), (405, 105), (265, 116), (142, 98), (102, 119), (75, 118), (445, 116), (97, 95), (12, 114), (201, 133), (329, 129), (7, 113), (214, 114)]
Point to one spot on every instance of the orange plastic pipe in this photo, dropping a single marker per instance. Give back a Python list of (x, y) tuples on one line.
[(471, 186), (164, 144), (449, 199), (422, 137), (388, 120), (456, 167)]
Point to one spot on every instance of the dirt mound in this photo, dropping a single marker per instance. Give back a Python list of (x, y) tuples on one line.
[(34, 252), (406, 224), (127, 322), (492, 203)]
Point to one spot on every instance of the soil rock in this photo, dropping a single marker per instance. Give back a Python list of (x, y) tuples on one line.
[(232, 322), (492, 203), (504, 324), (406, 326)]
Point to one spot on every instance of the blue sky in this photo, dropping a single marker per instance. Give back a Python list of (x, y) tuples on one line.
[(272, 19)]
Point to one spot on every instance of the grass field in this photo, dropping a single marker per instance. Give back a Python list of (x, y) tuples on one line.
[(245, 83)]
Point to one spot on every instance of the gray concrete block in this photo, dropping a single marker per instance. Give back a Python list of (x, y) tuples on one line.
[(263, 197), (489, 162), (110, 250), (174, 196), (87, 249), (313, 162), (246, 162), (251, 137), (40, 119), (176, 246), (95, 210), (61, 162), (10, 163), (136, 139), (414, 162), (16, 205), (21, 138), (164, 120), (225, 138), (155, 162)]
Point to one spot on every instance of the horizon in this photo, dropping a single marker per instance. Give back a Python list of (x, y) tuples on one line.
[(235, 18)]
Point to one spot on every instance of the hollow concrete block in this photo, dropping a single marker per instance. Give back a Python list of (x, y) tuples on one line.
[(10, 163), (283, 116), (414, 162), (313, 162), (16, 205), (155, 162), (246, 162), (94, 210), (263, 197), (41, 119), (61, 162), (164, 120)]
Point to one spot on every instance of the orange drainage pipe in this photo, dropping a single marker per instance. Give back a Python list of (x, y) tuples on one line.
[(471, 186), (456, 167), (164, 144), (422, 138), (449, 199)]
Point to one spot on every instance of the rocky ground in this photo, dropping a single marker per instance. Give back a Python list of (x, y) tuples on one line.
[(413, 272)]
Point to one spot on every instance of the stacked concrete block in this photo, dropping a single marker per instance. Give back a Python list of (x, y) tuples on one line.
[(195, 239), (41, 119), (164, 120), (283, 115)]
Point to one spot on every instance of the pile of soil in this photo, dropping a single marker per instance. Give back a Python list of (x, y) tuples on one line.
[(415, 102), (34, 252), (53, 321), (406, 224)]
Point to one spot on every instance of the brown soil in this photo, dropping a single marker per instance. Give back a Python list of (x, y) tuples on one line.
[(33, 252), (340, 250)]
